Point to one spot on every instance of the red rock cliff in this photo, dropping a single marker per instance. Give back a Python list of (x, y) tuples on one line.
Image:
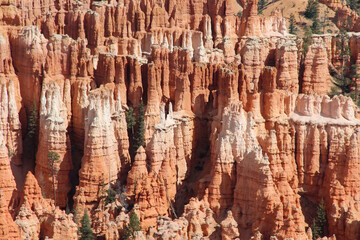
[(241, 139)]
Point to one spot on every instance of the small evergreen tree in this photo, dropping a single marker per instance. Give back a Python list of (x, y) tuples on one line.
[(307, 40), (133, 226), (53, 158), (130, 119), (315, 27), (312, 9), (343, 83), (344, 47), (262, 5), (110, 196), (319, 226), (292, 24), (355, 78), (131, 122), (85, 229), (32, 124), (326, 21), (139, 139), (75, 215)]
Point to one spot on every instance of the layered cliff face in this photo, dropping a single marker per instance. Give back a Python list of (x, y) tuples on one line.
[(239, 131), (333, 152)]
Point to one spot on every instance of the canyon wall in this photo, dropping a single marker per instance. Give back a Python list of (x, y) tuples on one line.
[(241, 139)]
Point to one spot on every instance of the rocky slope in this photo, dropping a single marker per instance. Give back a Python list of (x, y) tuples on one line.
[(241, 139)]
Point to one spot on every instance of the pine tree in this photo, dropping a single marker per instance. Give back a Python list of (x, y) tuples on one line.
[(133, 226), (319, 227), (131, 122), (130, 119), (307, 40), (315, 27), (110, 196), (32, 125), (262, 5), (75, 215), (292, 24), (343, 83), (139, 139), (355, 78), (312, 9), (85, 229), (53, 158)]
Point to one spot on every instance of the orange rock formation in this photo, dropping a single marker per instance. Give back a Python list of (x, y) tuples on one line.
[(241, 138)]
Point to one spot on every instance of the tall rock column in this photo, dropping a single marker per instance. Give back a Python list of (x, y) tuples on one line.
[(316, 78), (10, 102), (121, 134), (9, 121), (53, 138), (6, 177), (80, 102), (29, 59), (158, 88), (286, 61), (101, 162)]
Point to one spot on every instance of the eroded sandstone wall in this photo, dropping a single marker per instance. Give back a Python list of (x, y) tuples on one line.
[(239, 130)]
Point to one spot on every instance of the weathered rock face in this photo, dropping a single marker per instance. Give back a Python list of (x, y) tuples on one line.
[(53, 138), (37, 214), (8, 228), (241, 167), (101, 162), (333, 137), (149, 189), (29, 56), (28, 223), (344, 15), (232, 148), (7, 178), (316, 74), (11, 103)]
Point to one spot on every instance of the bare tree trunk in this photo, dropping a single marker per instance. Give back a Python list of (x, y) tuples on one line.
[(53, 180), (356, 92)]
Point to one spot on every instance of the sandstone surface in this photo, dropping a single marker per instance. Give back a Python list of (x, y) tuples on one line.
[(241, 138)]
